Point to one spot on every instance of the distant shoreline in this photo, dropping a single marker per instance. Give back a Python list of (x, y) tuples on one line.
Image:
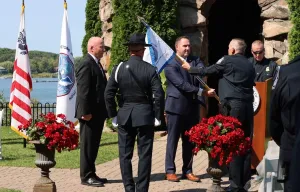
[(38, 75)]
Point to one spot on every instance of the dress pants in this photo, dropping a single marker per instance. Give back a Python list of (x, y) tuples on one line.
[(177, 126), (126, 136), (90, 135), (240, 167)]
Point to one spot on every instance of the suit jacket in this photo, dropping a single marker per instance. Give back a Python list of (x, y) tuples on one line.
[(182, 88), (286, 91), (91, 83), (138, 105)]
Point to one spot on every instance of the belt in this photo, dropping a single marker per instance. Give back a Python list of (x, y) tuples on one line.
[(135, 99)]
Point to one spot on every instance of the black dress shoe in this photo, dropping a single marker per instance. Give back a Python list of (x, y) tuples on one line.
[(103, 180), (92, 182)]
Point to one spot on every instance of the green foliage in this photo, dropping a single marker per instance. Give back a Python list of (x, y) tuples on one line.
[(2, 98), (294, 35), (92, 23), (77, 61), (8, 65), (160, 15), (39, 61)]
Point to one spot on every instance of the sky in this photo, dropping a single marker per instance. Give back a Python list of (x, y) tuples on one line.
[(43, 20)]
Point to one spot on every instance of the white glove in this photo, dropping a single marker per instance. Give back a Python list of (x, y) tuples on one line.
[(157, 123), (114, 122)]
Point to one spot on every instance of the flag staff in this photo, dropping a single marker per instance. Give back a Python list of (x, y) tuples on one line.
[(23, 7), (65, 4), (182, 61)]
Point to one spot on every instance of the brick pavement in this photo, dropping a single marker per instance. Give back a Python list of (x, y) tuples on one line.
[(67, 180)]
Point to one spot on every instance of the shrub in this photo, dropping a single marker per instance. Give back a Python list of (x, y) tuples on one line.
[(160, 15), (294, 35)]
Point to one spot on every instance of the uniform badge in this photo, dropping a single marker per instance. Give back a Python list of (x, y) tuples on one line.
[(276, 77), (268, 69)]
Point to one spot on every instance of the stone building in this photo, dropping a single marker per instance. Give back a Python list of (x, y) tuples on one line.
[(211, 24)]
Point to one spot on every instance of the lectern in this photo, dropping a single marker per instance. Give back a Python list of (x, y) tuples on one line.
[(261, 107)]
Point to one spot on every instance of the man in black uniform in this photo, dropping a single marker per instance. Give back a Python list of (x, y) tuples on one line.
[(286, 91), (138, 83), (236, 92), (264, 68)]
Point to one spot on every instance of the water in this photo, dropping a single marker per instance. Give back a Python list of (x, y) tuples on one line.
[(43, 89)]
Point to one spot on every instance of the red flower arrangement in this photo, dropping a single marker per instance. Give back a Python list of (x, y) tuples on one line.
[(221, 137), (54, 131)]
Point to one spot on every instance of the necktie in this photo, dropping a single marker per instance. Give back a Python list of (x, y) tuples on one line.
[(101, 68)]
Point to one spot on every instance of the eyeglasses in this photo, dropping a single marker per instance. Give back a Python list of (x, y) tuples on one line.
[(258, 52)]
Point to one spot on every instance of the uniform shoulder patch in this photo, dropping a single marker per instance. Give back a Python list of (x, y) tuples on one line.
[(276, 77), (220, 60)]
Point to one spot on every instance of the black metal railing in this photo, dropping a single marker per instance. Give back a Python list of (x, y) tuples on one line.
[(36, 110)]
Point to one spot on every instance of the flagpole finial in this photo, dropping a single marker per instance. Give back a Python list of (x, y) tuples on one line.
[(65, 4), (23, 7), (142, 20)]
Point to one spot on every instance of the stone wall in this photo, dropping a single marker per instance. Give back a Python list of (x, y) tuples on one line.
[(276, 26), (275, 14), (106, 13)]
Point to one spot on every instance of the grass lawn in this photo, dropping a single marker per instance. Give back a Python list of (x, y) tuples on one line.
[(14, 154), (8, 190)]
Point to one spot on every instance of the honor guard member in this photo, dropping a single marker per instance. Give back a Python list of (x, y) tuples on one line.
[(285, 92), (264, 68), (236, 93), (142, 101)]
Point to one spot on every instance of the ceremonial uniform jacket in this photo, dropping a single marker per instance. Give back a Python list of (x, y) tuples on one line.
[(141, 103), (236, 77), (264, 69), (285, 91)]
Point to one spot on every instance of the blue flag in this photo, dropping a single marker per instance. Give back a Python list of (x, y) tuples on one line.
[(159, 54)]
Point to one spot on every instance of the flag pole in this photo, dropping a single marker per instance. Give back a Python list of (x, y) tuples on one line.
[(23, 7), (206, 87), (182, 61), (65, 4), (142, 20)]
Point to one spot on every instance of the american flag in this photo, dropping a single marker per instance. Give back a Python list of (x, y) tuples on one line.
[(21, 82)]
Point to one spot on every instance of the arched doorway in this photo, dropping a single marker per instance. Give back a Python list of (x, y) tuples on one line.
[(230, 19)]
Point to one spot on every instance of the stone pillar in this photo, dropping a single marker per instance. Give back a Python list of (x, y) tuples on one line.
[(276, 26), (106, 14), (193, 18)]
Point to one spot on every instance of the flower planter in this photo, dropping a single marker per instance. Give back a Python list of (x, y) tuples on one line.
[(44, 160), (216, 172)]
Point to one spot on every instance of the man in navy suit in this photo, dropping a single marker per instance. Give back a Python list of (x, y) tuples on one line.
[(182, 109)]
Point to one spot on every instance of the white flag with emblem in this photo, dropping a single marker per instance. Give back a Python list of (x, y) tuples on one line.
[(66, 88), (159, 54)]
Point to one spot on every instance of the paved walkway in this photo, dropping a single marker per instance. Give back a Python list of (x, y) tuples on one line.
[(67, 180)]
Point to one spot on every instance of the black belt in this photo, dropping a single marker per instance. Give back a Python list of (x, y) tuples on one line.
[(134, 99)]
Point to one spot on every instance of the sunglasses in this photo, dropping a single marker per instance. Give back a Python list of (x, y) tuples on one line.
[(258, 52)]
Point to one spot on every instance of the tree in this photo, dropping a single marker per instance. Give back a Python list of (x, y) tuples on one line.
[(92, 23), (160, 15), (8, 65), (294, 35)]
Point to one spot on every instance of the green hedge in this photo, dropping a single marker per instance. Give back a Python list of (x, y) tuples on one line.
[(160, 15), (294, 35), (92, 23)]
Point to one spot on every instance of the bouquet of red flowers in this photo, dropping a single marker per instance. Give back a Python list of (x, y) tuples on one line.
[(221, 137), (54, 131)]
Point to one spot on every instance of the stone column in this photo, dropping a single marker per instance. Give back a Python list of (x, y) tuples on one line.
[(276, 26), (106, 13), (193, 18)]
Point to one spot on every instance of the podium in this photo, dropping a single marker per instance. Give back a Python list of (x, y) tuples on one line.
[(261, 107)]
